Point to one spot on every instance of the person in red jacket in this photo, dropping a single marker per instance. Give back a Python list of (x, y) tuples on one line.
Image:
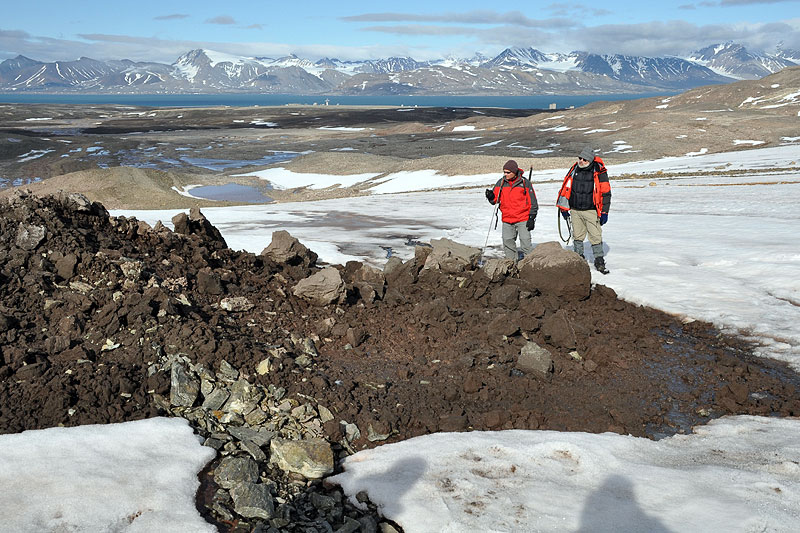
[(519, 207), (586, 195)]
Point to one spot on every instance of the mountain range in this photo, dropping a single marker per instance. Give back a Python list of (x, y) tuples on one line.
[(515, 71)]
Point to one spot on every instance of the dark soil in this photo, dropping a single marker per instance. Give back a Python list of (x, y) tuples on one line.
[(437, 352)]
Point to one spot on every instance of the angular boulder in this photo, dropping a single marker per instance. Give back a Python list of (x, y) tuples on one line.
[(452, 257), (556, 272), (322, 288), (286, 249)]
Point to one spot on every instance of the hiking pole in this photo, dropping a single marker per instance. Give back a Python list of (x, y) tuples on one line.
[(494, 217)]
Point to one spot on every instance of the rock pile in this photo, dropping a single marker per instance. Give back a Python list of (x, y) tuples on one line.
[(285, 367)]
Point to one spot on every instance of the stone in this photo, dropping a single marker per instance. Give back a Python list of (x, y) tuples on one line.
[(498, 269), (312, 458), (243, 399), (533, 359), (322, 288), (264, 367), (233, 470), (392, 264), (236, 304), (253, 500), (227, 372), (65, 267), (452, 257), (557, 272), (558, 330), (260, 437), (183, 389), (29, 236), (286, 249), (208, 282), (216, 399)]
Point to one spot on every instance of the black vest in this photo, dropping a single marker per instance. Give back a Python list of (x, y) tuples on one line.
[(582, 188)]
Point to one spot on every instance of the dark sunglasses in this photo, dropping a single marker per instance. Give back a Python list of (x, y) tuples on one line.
[(582, 159)]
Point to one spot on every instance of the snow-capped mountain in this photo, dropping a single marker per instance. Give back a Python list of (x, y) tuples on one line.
[(663, 72), (734, 60), (515, 71)]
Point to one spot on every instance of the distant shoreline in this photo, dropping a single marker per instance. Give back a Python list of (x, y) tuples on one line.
[(539, 102)]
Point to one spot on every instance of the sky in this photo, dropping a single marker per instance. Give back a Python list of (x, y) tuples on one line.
[(719, 254), (148, 30)]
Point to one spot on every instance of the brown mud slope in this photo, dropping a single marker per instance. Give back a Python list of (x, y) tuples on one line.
[(89, 302)]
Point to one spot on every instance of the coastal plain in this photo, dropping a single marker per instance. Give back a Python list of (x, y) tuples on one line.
[(130, 157)]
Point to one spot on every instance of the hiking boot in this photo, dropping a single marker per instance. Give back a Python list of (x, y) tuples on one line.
[(600, 265)]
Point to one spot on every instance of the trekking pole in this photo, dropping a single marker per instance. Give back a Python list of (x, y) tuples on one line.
[(494, 217)]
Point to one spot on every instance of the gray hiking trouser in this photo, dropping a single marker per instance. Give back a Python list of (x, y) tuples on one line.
[(510, 232)]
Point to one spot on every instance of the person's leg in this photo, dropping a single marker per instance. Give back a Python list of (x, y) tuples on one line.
[(593, 228), (510, 241), (578, 231), (524, 238)]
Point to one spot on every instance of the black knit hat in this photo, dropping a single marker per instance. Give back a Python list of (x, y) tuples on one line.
[(511, 165)]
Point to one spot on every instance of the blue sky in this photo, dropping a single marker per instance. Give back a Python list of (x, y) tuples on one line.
[(148, 30)]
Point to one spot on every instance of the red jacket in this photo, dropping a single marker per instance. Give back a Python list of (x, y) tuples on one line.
[(601, 194), (517, 199)]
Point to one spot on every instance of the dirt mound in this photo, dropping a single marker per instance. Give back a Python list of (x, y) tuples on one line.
[(128, 187), (90, 304)]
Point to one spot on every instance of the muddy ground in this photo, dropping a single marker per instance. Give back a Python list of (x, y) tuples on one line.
[(425, 351)]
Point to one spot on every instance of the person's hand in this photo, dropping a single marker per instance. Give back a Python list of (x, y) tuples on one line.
[(565, 214), (603, 218), (490, 195), (530, 224)]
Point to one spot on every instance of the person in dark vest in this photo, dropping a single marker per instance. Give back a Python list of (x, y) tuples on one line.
[(518, 206), (586, 196)]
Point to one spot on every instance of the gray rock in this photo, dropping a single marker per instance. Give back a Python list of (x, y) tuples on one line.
[(350, 525), (261, 437), (322, 288), (253, 449), (312, 458), (227, 372), (533, 359), (216, 399), (286, 249), (243, 399), (253, 500), (131, 269), (233, 470), (498, 269), (183, 388), (29, 236), (236, 304), (556, 271)]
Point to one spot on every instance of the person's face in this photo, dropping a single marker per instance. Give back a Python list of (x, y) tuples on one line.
[(509, 175), (583, 163)]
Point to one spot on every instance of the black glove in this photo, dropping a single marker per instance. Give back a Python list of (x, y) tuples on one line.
[(530, 224), (565, 214), (490, 195), (603, 218)]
